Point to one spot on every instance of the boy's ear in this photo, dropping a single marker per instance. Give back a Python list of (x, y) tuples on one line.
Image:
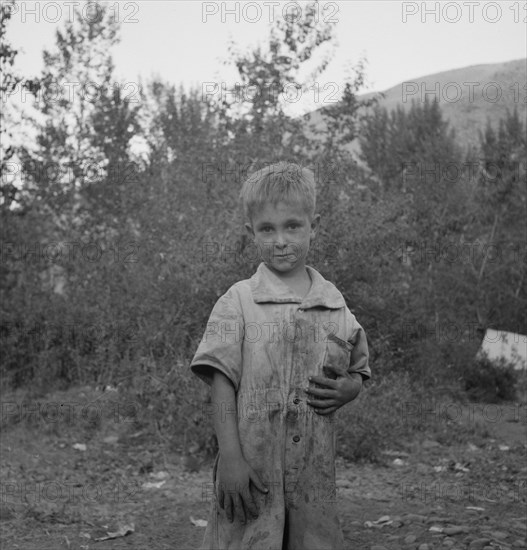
[(315, 224), (250, 230)]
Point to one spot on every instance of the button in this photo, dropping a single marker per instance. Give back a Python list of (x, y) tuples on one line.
[(296, 438), (296, 401)]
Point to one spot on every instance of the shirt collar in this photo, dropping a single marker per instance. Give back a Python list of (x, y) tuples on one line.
[(267, 287)]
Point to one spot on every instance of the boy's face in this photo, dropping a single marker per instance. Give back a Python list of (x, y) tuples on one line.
[(282, 232)]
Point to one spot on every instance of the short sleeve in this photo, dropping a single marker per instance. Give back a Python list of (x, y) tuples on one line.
[(359, 355), (221, 345)]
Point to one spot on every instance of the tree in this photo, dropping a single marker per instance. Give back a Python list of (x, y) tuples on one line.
[(402, 147), (498, 271), (114, 122), (9, 83), (84, 119)]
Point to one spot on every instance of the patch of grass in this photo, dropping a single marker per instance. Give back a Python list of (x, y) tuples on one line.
[(390, 414), (376, 420), (490, 382), (167, 406), (171, 405)]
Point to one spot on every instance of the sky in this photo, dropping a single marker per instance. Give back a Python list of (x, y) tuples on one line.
[(184, 42)]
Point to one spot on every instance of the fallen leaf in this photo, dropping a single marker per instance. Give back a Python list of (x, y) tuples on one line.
[(153, 484), (198, 522), (383, 519), (394, 453), (122, 531), (159, 475)]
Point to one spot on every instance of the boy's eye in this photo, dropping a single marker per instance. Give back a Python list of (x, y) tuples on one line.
[(294, 225), (266, 229)]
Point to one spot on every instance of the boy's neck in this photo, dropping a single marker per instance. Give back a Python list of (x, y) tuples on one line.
[(298, 280)]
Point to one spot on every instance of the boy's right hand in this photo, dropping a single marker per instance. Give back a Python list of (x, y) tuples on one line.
[(234, 496)]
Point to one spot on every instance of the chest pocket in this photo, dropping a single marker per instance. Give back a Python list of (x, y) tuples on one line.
[(338, 356)]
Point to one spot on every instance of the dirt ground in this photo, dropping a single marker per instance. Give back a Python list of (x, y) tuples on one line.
[(70, 479)]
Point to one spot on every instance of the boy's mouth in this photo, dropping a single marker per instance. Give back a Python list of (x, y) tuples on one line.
[(294, 254)]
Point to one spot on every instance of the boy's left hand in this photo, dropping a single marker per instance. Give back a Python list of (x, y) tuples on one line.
[(335, 393)]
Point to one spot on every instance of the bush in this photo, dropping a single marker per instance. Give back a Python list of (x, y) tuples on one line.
[(375, 421), (490, 382)]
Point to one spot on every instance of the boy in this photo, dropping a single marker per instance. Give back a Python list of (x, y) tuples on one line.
[(267, 338)]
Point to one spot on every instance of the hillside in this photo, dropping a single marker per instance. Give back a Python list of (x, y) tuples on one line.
[(468, 96)]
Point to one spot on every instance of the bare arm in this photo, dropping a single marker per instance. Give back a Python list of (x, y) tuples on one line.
[(234, 473), (225, 417)]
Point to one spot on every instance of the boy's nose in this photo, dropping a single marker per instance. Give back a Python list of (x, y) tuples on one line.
[(281, 241)]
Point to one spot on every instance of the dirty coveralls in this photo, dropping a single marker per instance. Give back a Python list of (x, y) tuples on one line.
[(267, 341)]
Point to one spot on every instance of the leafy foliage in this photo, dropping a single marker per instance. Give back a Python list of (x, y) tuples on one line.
[(489, 382), (165, 230)]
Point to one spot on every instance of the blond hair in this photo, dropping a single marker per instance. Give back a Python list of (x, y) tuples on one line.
[(281, 182)]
